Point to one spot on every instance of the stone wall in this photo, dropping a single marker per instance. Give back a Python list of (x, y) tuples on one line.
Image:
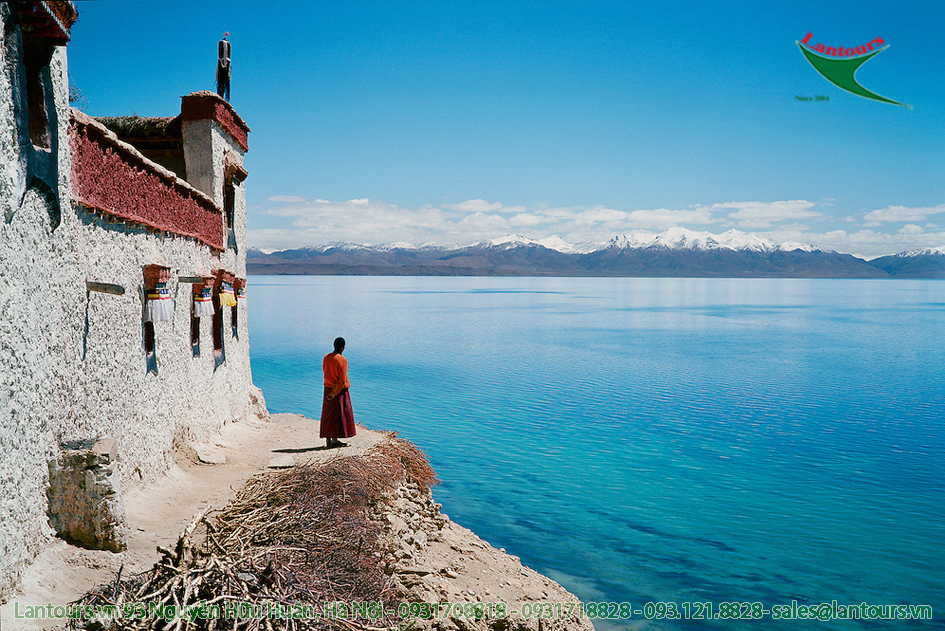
[(85, 499)]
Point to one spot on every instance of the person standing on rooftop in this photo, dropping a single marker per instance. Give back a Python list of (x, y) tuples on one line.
[(223, 67)]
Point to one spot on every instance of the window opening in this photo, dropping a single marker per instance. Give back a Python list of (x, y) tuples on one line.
[(150, 355), (229, 202), (218, 331), (239, 287), (194, 331), (149, 338), (36, 57)]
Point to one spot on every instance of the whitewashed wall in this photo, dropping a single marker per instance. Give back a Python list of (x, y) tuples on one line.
[(72, 362)]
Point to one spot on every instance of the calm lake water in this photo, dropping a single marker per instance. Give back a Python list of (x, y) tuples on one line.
[(654, 440)]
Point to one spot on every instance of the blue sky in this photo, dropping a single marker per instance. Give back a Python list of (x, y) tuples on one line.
[(379, 122)]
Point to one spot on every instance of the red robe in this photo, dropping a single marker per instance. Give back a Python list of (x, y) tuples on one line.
[(337, 414)]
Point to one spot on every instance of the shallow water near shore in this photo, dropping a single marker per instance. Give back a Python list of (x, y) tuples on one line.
[(653, 440)]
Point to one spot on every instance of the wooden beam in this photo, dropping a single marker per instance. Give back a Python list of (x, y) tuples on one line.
[(105, 288)]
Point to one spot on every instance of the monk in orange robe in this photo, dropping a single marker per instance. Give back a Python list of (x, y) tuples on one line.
[(337, 414)]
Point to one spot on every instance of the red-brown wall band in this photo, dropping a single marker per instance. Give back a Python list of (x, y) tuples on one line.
[(109, 178)]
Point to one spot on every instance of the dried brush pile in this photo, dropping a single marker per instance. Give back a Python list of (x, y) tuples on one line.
[(302, 537)]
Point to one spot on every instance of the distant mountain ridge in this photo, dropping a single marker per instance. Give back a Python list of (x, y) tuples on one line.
[(677, 252), (925, 263)]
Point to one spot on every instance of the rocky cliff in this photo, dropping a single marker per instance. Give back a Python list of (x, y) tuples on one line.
[(435, 560)]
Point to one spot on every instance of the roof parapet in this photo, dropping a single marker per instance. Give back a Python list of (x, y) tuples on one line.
[(205, 104)]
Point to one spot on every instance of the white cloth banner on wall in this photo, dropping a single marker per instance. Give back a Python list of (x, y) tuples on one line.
[(203, 302), (159, 307)]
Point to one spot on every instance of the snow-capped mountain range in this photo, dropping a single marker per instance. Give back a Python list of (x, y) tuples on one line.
[(674, 238), (682, 239), (925, 252), (675, 252)]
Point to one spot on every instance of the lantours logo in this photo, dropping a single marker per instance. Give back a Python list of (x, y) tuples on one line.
[(838, 65)]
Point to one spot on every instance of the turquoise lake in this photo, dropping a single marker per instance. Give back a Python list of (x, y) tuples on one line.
[(654, 440)]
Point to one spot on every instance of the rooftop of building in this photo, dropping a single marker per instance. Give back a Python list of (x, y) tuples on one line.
[(131, 128)]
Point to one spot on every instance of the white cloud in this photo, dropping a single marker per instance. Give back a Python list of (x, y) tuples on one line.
[(892, 214), (359, 220), (288, 199), (526, 220), (475, 206), (758, 215), (281, 239), (661, 218), (599, 214), (910, 228), (482, 223)]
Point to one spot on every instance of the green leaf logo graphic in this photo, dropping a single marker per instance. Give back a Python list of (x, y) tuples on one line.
[(841, 72)]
